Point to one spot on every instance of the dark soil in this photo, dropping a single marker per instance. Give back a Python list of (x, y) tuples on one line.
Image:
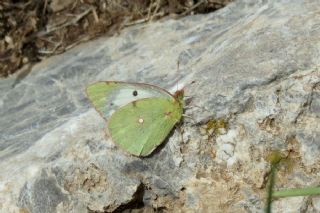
[(31, 30)]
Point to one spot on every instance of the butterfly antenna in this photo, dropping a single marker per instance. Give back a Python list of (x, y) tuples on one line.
[(178, 65), (178, 71)]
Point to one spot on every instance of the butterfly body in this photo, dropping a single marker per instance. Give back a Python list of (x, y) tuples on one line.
[(140, 116)]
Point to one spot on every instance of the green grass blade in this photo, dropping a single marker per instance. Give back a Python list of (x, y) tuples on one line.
[(296, 192), (270, 187)]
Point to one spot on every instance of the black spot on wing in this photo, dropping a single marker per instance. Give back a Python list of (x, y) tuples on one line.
[(135, 93)]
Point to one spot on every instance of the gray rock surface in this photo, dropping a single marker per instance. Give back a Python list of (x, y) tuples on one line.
[(255, 65)]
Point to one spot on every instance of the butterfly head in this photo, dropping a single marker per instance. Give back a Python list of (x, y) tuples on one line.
[(179, 95)]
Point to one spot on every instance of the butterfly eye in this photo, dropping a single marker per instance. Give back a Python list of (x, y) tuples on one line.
[(135, 93)]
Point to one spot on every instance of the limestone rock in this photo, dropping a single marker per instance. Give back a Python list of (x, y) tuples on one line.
[(255, 65)]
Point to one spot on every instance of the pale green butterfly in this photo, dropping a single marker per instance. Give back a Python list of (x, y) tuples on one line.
[(140, 116)]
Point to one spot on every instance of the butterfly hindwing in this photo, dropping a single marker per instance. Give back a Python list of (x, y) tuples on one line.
[(140, 126), (109, 96)]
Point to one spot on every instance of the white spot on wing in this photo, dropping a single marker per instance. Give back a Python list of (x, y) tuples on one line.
[(124, 95), (141, 120)]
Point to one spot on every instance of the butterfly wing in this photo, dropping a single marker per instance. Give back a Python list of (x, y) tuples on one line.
[(139, 127), (108, 96)]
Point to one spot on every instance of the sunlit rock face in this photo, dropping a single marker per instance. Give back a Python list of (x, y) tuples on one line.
[(255, 66)]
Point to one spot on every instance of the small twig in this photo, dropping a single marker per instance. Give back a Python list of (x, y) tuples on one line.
[(72, 22), (55, 28), (48, 52), (17, 5), (155, 11), (44, 7), (149, 11), (144, 20), (192, 8), (74, 5), (160, 14), (95, 15), (139, 21)]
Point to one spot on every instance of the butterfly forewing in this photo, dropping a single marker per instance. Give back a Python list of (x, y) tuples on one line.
[(109, 96), (140, 126)]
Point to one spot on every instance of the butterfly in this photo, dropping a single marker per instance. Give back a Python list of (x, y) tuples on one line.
[(139, 116)]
